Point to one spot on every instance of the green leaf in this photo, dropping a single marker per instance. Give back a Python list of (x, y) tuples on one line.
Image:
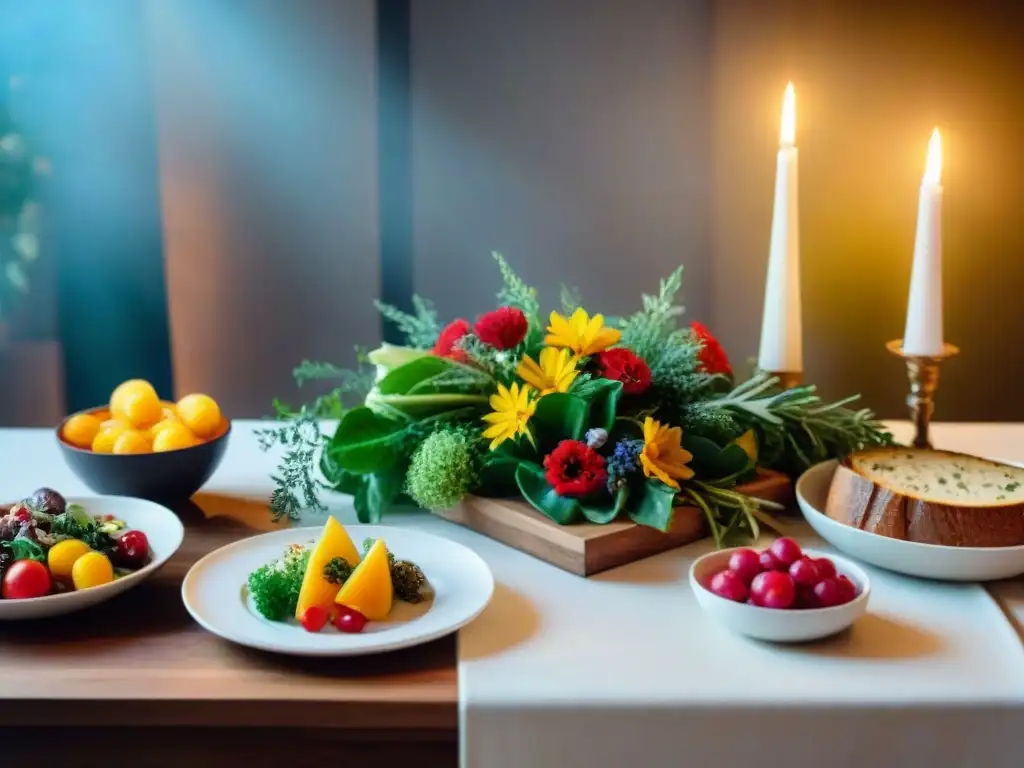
[(711, 461), (558, 417), (400, 380), (338, 479), (365, 442), (608, 510), (538, 492), (23, 548), (382, 488), (655, 506), (604, 402)]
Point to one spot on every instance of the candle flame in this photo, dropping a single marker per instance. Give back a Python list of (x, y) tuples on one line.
[(787, 133), (933, 166)]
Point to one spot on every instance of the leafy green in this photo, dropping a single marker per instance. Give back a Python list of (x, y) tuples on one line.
[(275, 587), (421, 328), (23, 548), (337, 570), (538, 492), (645, 331), (655, 506), (75, 523), (516, 293), (559, 416), (366, 442)]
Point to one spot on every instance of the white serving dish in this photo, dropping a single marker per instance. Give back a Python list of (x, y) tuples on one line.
[(929, 561), (784, 626), (163, 529), (215, 594)]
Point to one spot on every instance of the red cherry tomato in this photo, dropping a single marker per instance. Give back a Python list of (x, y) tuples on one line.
[(804, 572), (314, 619), (826, 568), (26, 579), (349, 620), (829, 593), (730, 585), (745, 563), (773, 589), (132, 549), (786, 550), (770, 562)]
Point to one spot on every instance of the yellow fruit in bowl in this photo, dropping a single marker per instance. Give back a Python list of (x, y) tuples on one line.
[(173, 437), (92, 570), (132, 441), (200, 413), (123, 391), (142, 409), (163, 424), (102, 416), (81, 429), (109, 432), (63, 555)]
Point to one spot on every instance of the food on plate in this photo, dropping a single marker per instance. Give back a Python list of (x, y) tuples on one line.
[(320, 583), (369, 588), (331, 582), (930, 497), (48, 546), (138, 421), (805, 582)]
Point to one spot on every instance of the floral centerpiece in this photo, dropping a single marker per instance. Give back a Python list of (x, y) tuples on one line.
[(584, 417)]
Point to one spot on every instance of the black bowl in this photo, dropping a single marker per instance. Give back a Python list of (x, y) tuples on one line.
[(168, 475)]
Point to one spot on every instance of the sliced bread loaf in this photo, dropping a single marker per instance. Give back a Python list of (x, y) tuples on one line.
[(931, 497)]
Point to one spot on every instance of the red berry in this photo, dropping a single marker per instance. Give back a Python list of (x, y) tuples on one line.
[(805, 597), (773, 589), (349, 620), (805, 572), (132, 549), (770, 562), (826, 568), (314, 618), (848, 587), (745, 563), (829, 593), (786, 550), (730, 585)]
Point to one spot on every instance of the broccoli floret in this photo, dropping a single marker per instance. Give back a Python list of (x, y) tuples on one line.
[(337, 570), (275, 587)]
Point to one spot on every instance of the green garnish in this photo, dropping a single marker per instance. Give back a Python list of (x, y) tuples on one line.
[(275, 587), (337, 570), (75, 523), (406, 577)]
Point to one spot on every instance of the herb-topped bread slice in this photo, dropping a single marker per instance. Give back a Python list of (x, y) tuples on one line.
[(931, 497)]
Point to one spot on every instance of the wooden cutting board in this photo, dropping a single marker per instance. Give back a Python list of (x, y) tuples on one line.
[(587, 548)]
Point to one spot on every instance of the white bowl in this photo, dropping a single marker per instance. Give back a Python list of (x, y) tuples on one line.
[(929, 561), (783, 626), (163, 529)]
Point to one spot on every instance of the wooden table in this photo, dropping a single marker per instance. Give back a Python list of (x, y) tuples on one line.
[(140, 670)]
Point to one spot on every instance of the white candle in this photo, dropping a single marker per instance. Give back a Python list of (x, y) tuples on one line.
[(923, 334), (781, 331)]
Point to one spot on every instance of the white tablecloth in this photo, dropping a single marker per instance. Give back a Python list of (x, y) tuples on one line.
[(624, 670)]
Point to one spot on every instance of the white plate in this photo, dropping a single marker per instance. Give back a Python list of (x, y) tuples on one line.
[(214, 594), (163, 529), (929, 561), (781, 626)]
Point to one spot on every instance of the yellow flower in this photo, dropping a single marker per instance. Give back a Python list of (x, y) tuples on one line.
[(582, 334), (663, 455), (554, 372), (512, 409)]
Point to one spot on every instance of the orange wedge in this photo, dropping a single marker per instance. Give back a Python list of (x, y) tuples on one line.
[(369, 589), (316, 590)]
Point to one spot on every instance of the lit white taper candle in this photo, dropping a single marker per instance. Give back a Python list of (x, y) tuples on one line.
[(781, 330), (923, 334)]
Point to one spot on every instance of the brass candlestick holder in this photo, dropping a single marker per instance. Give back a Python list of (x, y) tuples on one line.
[(923, 372)]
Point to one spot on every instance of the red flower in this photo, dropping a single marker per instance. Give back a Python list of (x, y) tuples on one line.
[(574, 469), (503, 328), (445, 346), (712, 357), (620, 364)]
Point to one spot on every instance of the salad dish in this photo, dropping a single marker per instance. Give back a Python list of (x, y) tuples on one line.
[(60, 554), (314, 592)]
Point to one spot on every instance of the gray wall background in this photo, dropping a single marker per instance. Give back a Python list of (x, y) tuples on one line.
[(599, 143)]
